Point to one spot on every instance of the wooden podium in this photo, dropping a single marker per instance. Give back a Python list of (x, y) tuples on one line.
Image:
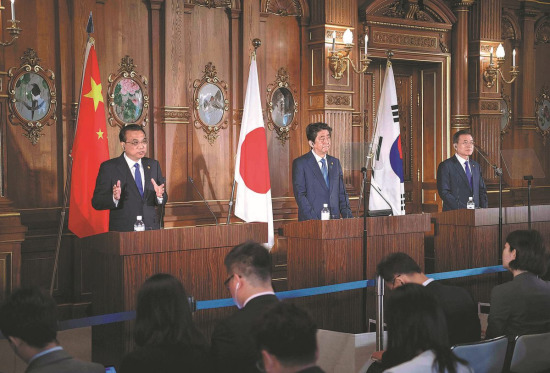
[(469, 239), (122, 261), (331, 252)]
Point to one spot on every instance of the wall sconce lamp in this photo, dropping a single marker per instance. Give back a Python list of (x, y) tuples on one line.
[(491, 71), (339, 58), (13, 29)]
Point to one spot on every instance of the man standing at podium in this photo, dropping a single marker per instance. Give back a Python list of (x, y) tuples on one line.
[(317, 178), (130, 185), (459, 177)]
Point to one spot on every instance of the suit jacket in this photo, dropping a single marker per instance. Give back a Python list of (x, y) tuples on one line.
[(453, 186), (520, 306), (61, 362), (460, 312), (166, 359), (130, 205), (311, 191), (233, 347)]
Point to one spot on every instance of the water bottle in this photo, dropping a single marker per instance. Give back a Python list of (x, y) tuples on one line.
[(471, 205), (139, 225), (325, 213)]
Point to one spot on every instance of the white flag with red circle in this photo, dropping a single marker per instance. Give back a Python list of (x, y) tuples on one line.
[(253, 201)]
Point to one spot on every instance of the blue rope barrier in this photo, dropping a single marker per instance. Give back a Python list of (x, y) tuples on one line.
[(228, 302)]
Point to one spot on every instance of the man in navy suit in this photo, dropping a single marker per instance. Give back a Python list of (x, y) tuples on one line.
[(317, 178), (459, 177), (130, 185)]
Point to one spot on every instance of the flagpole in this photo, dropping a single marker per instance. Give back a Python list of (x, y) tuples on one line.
[(256, 43), (90, 41)]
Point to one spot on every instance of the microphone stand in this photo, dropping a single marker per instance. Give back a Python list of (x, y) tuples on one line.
[(528, 178), (498, 172), (204, 200)]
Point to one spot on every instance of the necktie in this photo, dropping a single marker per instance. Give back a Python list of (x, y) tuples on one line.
[(324, 169), (138, 179), (469, 175)]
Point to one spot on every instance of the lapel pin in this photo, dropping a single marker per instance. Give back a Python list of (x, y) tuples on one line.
[(148, 167)]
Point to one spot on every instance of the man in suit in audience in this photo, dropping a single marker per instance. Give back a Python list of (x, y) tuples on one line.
[(460, 310), (317, 178), (459, 177), (286, 337), (130, 185), (248, 267), (28, 320)]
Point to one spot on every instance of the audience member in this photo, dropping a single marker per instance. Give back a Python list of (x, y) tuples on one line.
[(248, 267), (286, 337), (28, 320), (458, 306), (417, 333), (164, 332), (521, 306)]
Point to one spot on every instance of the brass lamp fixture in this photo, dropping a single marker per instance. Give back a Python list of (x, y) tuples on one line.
[(339, 58), (491, 71), (13, 29)]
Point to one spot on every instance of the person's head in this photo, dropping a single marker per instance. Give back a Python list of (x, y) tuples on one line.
[(463, 143), (318, 136), (248, 268), (398, 269), (524, 251), (133, 141), (416, 323), (163, 315), (286, 337), (28, 319)]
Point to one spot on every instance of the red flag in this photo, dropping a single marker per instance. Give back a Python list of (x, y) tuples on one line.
[(90, 149)]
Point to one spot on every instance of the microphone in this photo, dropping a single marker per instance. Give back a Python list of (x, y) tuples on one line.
[(204, 200)]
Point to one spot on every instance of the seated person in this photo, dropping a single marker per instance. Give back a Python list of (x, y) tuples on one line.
[(166, 338), (521, 306), (417, 333), (286, 337), (28, 320)]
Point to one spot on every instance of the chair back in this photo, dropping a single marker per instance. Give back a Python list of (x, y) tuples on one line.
[(531, 354), (485, 356)]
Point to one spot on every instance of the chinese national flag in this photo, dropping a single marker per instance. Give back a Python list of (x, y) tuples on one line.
[(90, 149)]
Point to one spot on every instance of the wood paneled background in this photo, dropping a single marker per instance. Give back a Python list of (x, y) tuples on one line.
[(171, 41)]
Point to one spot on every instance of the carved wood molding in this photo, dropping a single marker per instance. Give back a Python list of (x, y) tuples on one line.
[(337, 100), (542, 33), (490, 105), (406, 40), (175, 115), (213, 3), (409, 10), (284, 8)]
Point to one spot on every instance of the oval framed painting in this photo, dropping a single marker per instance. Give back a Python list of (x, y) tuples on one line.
[(211, 104)]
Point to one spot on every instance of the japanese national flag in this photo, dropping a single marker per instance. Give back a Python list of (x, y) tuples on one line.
[(253, 202)]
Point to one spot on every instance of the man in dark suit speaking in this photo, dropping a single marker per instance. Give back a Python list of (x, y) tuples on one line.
[(317, 178), (459, 177), (130, 185)]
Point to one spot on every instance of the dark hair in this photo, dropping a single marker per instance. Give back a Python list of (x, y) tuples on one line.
[(251, 259), (396, 264), (531, 254), (460, 133), (416, 323), (289, 333), (313, 129), (129, 127), (163, 315), (31, 315)]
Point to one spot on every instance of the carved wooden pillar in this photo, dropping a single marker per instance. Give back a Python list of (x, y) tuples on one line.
[(12, 234), (459, 104), (485, 30), (330, 99), (526, 109), (155, 80)]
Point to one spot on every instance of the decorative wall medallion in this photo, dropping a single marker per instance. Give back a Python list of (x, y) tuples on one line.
[(284, 7), (281, 106), (127, 96), (507, 29), (506, 112), (31, 96), (542, 34), (542, 113), (211, 103)]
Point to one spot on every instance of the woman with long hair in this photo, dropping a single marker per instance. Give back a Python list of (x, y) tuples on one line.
[(417, 333), (167, 340)]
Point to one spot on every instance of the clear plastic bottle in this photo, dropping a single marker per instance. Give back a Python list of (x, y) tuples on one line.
[(325, 212), (471, 205), (139, 225)]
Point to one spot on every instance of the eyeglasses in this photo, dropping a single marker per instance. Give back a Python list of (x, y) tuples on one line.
[(136, 142), (226, 282), (467, 143)]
